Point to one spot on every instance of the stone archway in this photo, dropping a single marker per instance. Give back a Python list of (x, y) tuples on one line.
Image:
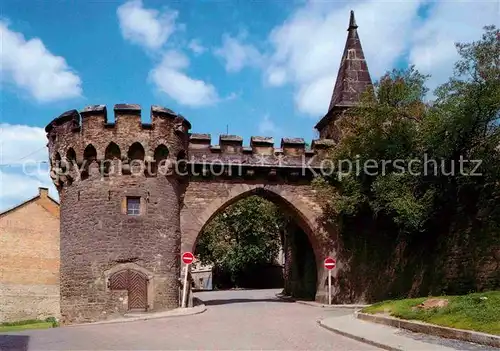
[(205, 199)]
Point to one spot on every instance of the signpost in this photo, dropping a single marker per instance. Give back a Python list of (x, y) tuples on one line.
[(187, 258), (330, 264)]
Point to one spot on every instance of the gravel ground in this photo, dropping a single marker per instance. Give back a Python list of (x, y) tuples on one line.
[(234, 320)]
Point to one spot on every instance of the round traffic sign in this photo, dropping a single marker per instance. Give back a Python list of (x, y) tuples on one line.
[(330, 263), (187, 257)]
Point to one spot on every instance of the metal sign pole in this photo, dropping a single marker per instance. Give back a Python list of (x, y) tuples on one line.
[(184, 287), (329, 286)]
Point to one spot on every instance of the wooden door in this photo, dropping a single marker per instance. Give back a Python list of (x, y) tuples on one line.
[(137, 291), (136, 285)]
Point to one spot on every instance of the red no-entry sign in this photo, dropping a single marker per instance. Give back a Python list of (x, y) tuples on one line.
[(187, 257), (330, 263)]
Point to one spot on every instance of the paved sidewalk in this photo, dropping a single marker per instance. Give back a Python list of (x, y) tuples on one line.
[(131, 317), (382, 336), (469, 336)]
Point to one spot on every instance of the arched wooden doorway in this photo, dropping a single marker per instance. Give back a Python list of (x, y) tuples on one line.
[(136, 284)]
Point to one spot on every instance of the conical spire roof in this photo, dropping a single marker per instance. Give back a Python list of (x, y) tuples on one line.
[(353, 77), (352, 22)]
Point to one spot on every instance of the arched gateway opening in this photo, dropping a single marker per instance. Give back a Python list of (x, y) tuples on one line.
[(300, 248)]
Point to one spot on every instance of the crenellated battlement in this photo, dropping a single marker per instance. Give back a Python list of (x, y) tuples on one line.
[(94, 145), (90, 126), (261, 151), (89, 142), (95, 117)]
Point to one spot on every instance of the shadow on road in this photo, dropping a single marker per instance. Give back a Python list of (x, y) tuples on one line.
[(14, 342), (215, 302)]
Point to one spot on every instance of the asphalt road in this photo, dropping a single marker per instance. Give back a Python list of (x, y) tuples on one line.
[(234, 320)]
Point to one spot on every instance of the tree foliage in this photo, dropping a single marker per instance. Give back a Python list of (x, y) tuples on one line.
[(394, 122), (243, 236)]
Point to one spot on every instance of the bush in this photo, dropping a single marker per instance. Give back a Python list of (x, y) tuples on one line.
[(52, 320)]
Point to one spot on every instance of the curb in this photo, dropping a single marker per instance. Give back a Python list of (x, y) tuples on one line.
[(316, 304), (199, 309), (426, 328), (357, 337), (285, 298)]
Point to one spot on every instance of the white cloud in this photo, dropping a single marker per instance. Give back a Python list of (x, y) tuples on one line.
[(308, 46), (17, 187), (237, 54), (151, 29), (433, 49), (175, 60), (276, 76), (146, 27), (314, 96), (267, 126), (196, 47), (22, 141), (24, 167), (170, 79), (30, 66)]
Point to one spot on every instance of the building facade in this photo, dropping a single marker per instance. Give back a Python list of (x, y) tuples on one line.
[(202, 276), (29, 260)]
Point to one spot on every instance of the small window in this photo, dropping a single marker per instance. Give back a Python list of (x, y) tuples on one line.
[(133, 206)]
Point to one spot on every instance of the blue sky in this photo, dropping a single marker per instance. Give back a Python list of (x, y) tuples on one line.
[(113, 69), (254, 67)]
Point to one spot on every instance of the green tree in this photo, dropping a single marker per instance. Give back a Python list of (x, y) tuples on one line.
[(439, 205), (244, 236), (394, 122), (385, 126)]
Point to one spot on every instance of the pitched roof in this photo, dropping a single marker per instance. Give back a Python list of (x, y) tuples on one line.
[(353, 77), (42, 192)]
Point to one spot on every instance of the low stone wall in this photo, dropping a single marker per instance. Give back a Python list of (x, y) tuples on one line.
[(21, 302)]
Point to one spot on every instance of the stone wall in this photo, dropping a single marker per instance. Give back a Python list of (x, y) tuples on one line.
[(300, 271), (468, 259), (384, 265), (97, 235), (331, 130), (29, 260)]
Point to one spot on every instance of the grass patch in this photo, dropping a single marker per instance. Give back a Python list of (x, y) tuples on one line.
[(38, 325), (471, 312), (50, 322)]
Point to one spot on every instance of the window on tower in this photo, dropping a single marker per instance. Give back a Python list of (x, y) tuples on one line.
[(133, 206)]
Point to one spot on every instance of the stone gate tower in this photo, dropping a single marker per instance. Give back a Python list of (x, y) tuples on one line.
[(117, 216), (126, 214)]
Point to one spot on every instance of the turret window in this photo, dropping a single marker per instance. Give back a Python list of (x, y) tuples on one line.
[(133, 206)]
